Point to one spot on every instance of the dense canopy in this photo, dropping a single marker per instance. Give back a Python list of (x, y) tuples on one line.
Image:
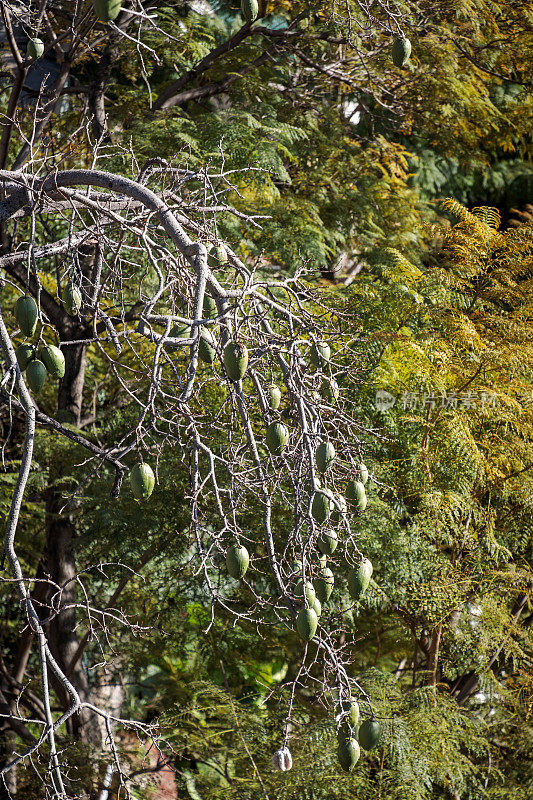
[(266, 328)]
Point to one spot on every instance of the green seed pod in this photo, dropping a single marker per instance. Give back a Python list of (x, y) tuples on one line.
[(307, 623), (327, 542), (71, 299), (356, 494), (363, 473), (359, 579), (217, 256), (249, 10), (235, 360), (324, 456), (178, 332), (329, 389), (362, 504), (320, 507), (276, 438), (36, 375), (351, 709), (206, 348), (336, 513), (26, 314), (348, 753), (210, 307), (142, 481), (308, 590), (274, 395), (237, 561), (106, 10), (355, 490), (53, 359), (320, 354), (369, 734), (324, 585), (401, 50), (24, 353), (35, 48)]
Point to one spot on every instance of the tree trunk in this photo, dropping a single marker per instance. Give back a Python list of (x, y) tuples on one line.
[(60, 554)]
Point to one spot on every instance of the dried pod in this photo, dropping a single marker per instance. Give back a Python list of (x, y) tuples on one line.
[(282, 760)]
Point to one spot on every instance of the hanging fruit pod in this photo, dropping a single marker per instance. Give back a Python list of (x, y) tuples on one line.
[(106, 10), (72, 299), (274, 396), (401, 50), (35, 48), (359, 579), (24, 353), (26, 314), (276, 438), (324, 456), (53, 359), (369, 734), (235, 358), (324, 584), (142, 481), (348, 753), (307, 623), (237, 561), (36, 375)]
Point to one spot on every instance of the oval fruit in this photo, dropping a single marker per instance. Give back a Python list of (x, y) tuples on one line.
[(142, 481), (237, 561), (53, 359), (210, 306), (217, 256), (348, 753), (359, 579), (71, 299), (308, 589), (235, 360), (324, 585), (401, 50), (337, 512), (249, 10), (276, 438), (36, 375), (369, 734), (320, 507), (206, 347), (26, 314), (324, 456), (350, 708), (329, 389), (274, 395), (363, 473), (355, 491), (178, 332), (35, 48), (327, 542), (106, 10), (307, 623), (319, 354), (24, 353)]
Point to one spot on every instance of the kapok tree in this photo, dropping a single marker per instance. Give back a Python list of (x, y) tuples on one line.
[(171, 310)]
